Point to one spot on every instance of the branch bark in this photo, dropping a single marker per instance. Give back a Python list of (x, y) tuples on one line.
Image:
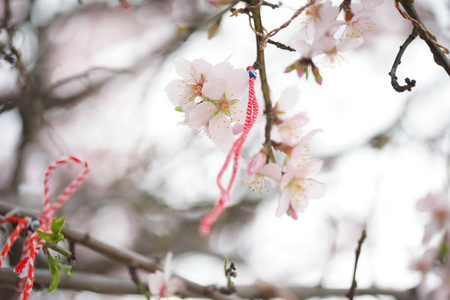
[(110, 285), (122, 255), (351, 292), (439, 56), (260, 64), (394, 79)]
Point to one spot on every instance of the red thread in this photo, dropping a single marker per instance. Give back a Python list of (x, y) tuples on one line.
[(21, 223), (235, 152), (33, 244)]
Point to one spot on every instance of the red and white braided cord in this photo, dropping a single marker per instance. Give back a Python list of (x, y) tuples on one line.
[(33, 244), (235, 152)]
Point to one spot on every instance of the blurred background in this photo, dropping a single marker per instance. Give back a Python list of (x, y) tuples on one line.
[(87, 78)]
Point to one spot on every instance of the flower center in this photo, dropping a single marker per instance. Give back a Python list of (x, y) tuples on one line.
[(223, 105), (297, 189)]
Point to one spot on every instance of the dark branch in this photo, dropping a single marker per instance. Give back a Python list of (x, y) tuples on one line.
[(79, 282), (273, 6), (351, 292), (439, 56), (394, 79), (119, 254), (281, 45), (260, 64)]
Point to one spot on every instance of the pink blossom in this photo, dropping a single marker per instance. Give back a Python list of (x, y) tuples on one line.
[(331, 48), (306, 50), (300, 153), (289, 132), (359, 21), (425, 263), (258, 170), (183, 92), (319, 18), (437, 205), (209, 97), (288, 99), (442, 292), (222, 107), (297, 188), (162, 284)]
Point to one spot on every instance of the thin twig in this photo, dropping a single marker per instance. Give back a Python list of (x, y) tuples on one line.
[(281, 45), (261, 66), (394, 79), (351, 292), (84, 74)]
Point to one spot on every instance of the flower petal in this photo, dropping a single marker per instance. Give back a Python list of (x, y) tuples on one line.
[(178, 92), (155, 282), (273, 172), (288, 99), (214, 88), (283, 204), (182, 67), (309, 169), (315, 189), (220, 132), (200, 114), (200, 66)]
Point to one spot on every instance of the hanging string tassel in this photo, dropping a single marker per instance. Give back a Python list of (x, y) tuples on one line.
[(235, 152), (33, 244), (21, 223)]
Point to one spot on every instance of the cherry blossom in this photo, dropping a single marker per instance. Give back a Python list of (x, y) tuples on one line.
[(209, 97), (331, 48), (297, 188), (183, 92), (300, 153), (288, 99), (289, 131), (258, 170), (319, 18), (437, 205), (162, 284), (222, 108)]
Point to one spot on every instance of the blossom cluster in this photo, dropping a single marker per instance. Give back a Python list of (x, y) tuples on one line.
[(162, 284), (329, 30), (209, 96), (434, 261), (293, 179), (211, 99)]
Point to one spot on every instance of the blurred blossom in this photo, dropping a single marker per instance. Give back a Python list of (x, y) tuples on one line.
[(162, 284), (436, 204)]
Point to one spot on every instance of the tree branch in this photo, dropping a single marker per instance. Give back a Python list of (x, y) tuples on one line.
[(119, 254), (261, 66), (78, 282), (394, 79), (351, 292), (414, 17)]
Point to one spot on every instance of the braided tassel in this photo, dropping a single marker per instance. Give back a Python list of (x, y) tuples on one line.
[(33, 244), (50, 209), (235, 152), (13, 237), (32, 257)]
